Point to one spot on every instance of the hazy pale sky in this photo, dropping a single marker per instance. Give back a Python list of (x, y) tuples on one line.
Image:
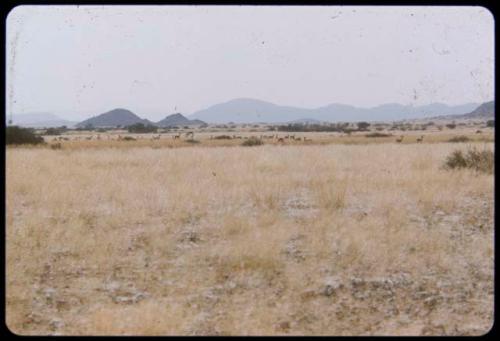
[(79, 61)]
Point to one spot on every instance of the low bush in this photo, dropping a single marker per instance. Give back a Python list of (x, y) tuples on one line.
[(18, 135), (222, 137), (252, 142), (192, 141), (376, 134), (141, 128), (479, 160), (460, 138), (128, 138), (54, 131)]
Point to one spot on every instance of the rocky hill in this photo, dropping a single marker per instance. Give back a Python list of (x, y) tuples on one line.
[(178, 120), (114, 118), (485, 110)]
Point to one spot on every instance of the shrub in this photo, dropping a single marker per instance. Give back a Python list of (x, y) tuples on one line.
[(56, 146), (128, 138), (222, 137), (490, 123), (479, 160), (456, 160), (54, 131), (252, 142), (363, 125), (451, 126), (141, 128), (192, 141), (19, 135), (101, 130), (378, 135), (460, 138)]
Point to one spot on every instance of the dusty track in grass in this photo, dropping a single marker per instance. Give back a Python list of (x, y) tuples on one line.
[(317, 240)]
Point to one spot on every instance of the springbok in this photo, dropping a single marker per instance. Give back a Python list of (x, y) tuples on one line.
[(420, 139), (400, 139)]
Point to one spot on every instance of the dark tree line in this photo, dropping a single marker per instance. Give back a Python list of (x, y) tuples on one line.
[(314, 127)]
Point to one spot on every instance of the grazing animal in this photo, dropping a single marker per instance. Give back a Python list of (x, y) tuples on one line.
[(190, 133), (400, 139), (281, 139), (420, 139)]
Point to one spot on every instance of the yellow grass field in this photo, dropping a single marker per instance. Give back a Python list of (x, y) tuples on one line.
[(294, 239)]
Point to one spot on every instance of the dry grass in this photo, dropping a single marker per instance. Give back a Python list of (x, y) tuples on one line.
[(375, 239)]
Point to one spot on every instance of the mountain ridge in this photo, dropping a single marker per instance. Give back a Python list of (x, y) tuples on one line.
[(247, 110)]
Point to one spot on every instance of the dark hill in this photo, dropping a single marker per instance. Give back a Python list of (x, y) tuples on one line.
[(178, 120), (114, 118)]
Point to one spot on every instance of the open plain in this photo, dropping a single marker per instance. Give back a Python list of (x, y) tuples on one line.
[(367, 237)]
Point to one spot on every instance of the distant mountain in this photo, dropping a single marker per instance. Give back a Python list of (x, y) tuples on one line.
[(178, 120), (246, 110), (305, 121), (40, 120), (485, 110), (114, 118)]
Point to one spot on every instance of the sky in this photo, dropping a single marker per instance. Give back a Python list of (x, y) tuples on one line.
[(80, 61)]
